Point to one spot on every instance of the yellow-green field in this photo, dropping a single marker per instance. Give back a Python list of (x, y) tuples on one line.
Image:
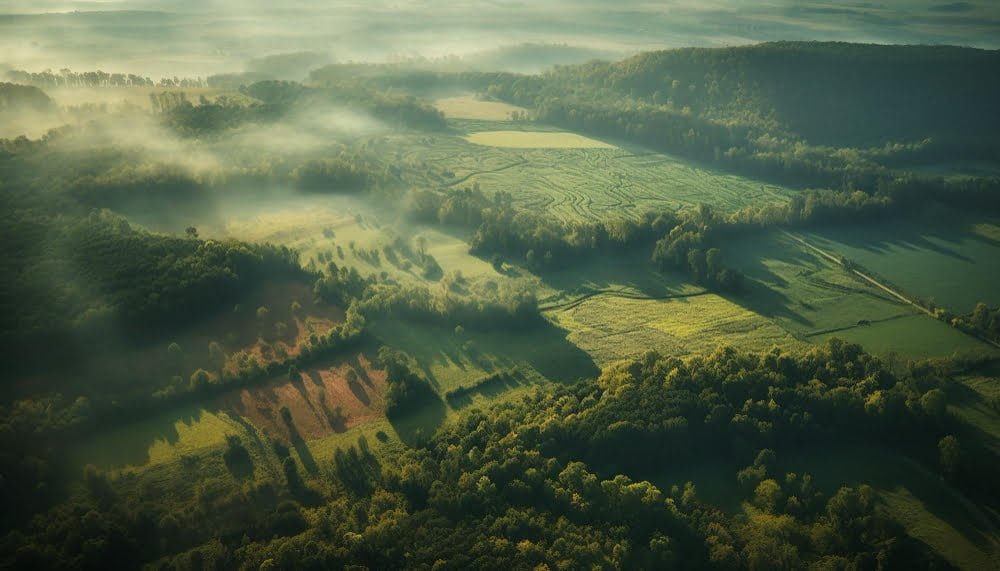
[(611, 328), (472, 107), (573, 184), (535, 140)]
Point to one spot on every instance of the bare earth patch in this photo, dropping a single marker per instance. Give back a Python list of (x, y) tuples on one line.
[(323, 400)]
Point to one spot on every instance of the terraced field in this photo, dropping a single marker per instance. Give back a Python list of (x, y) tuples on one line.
[(579, 184)]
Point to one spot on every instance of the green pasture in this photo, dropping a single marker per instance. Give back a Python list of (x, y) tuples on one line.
[(575, 184), (816, 299), (950, 258)]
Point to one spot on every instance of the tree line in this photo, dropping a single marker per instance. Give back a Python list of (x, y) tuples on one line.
[(551, 480)]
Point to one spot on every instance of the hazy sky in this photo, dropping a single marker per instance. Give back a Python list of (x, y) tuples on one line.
[(199, 37)]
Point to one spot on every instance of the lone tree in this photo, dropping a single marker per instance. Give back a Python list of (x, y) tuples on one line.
[(951, 454)]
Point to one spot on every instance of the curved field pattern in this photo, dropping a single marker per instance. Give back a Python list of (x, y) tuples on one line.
[(573, 181)]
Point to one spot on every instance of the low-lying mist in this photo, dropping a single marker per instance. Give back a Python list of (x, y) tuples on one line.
[(284, 41)]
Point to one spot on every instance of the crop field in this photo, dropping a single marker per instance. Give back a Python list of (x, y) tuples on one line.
[(583, 184), (471, 107), (331, 398), (941, 256), (611, 328), (535, 140)]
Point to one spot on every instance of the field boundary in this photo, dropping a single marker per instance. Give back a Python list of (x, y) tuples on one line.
[(852, 269), (570, 304)]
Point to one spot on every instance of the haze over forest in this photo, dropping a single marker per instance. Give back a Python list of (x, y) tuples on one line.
[(499, 285)]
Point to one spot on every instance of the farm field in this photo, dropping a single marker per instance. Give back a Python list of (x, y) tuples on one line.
[(816, 300), (576, 184), (471, 107), (535, 140), (612, 328), (450, 360), (338, 229), (913, 336), (940, 256)]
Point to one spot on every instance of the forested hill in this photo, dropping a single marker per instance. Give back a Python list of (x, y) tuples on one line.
[(829, 93), (835, 94), (15, 97)]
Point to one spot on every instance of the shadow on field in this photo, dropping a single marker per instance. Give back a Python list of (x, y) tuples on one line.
[(121, 447), (633, 271), (416, 427), (892, 473), (543, 348)]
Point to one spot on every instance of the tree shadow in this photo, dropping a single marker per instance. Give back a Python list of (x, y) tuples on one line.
[(335, 418), (631, 270), (301, 448), (315, 377), (491, 386), (129, 443), (359, 391), (416, 427)]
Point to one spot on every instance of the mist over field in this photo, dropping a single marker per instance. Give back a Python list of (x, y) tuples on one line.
[(499, 285), (202, 38)]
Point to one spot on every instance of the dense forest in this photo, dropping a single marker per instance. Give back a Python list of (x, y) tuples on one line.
[(832, 115), (544, 481)]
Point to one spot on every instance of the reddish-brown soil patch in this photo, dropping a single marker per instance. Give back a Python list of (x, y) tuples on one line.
[(326, 399)]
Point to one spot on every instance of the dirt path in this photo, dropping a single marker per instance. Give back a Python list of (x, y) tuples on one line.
[(871, 280)]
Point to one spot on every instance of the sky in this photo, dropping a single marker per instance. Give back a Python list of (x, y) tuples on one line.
[(202, 37)]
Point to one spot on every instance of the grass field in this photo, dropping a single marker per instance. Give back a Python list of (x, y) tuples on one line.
[(816, 300), (913, 336), (535, 140), (975, 403), (574, 184), (611, 328), (921, 501), (471, 107), (941, 255)]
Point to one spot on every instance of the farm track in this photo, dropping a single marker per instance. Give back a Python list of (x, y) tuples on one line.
[(886, 288), (823, 284), (615, 293)]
